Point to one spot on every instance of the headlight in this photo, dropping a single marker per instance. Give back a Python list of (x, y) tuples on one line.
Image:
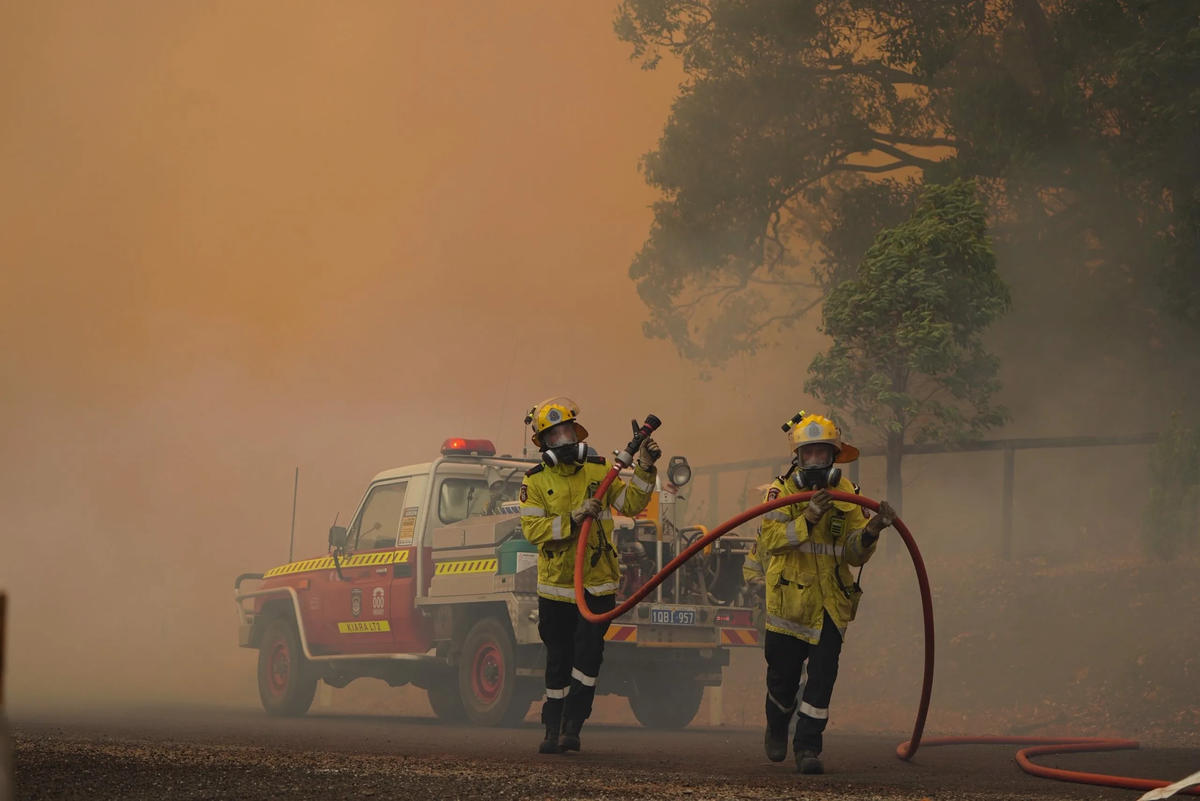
[(679, 472)]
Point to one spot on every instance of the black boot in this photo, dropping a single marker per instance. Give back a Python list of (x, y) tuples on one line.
[(776, 746), (552, 718), (550, 744), (809, 762), (570, 735)]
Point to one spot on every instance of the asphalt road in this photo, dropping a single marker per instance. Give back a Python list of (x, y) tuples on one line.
[(207, 753)]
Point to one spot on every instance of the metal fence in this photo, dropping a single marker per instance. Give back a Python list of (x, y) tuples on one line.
[(1008, 447)]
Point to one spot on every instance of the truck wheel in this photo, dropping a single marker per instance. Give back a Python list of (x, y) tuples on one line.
[(666, 705), (287, 682), (445, 699), (487, 672)]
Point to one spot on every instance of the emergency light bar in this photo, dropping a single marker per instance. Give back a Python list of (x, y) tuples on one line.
[(468, 447)]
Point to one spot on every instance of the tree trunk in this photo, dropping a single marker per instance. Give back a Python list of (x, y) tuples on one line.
[(895, 485)]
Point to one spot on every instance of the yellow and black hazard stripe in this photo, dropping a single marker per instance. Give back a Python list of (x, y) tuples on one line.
[(465, 566), (326, 562)]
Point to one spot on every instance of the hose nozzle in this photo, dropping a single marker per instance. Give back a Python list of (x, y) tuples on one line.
[(640, 434)]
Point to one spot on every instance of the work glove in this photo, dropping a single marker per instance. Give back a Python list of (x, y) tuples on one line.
[(818, 505), (648, 454), (589, 508), (883, 519)]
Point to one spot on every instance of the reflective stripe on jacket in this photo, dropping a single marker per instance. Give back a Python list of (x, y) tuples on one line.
[(808, 567), (549, 495)]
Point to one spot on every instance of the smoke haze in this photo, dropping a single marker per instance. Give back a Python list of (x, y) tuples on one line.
[(237, 239)]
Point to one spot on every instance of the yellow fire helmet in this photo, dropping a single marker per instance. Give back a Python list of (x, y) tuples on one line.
[(809, 429), (553, 412)]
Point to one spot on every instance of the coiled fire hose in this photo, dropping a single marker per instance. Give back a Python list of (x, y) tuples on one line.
[(1035, 746)]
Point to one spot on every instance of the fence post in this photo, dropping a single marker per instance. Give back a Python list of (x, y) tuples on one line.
[(1006, 513)]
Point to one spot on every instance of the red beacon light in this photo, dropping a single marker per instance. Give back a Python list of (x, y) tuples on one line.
[(457, 446)]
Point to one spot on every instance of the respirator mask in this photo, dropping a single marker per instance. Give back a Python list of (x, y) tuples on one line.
[(815, 467), (561, 445)]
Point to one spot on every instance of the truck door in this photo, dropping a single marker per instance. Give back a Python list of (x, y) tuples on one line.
[(357, 612)]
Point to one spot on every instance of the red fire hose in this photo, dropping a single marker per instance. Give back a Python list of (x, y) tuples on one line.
[(1038, 746)]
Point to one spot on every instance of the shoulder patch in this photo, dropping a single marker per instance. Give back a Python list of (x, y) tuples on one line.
[(537, 468), (524, 493), (597, 460), (772, 493)]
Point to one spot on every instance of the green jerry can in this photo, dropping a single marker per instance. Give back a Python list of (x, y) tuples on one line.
[(510, 552)]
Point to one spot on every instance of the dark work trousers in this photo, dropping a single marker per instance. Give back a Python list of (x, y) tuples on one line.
[(574, 651), (785, 665)]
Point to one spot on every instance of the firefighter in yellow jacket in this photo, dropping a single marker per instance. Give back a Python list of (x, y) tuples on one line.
[(556, 498), (811, 594)]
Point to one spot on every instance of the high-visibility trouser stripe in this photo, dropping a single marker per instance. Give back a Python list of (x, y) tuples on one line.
[(560, 693), (782, 708), (532, 511), (557, 592), (582, 678), (822, 548), (814, 712), (644, 486), (598, 589), (794, 628), (605, 515), (556, 528)]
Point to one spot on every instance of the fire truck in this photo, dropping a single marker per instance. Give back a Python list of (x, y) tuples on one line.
[(432, 584)]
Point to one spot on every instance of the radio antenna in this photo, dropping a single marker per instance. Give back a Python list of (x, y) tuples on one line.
[(295, 492)]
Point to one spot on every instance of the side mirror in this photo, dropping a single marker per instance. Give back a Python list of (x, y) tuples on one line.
[(337, 537)]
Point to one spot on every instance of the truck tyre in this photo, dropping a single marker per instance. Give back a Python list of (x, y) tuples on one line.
[(445, 700), (287, 681), (487, 673), (666, 705)]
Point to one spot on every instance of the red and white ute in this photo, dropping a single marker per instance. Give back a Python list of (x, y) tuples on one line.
[(433, 584)]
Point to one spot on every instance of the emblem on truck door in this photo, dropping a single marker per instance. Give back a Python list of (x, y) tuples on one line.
[(356, 602), (377, 601)]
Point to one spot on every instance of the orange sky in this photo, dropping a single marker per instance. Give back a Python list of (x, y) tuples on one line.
[(240, 238), (237, 238)]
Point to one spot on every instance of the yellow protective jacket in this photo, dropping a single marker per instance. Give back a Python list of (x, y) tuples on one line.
[(808, 568), (549, 495), (752, 568)]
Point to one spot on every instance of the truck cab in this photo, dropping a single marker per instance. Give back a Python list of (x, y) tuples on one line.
[(433, 584)]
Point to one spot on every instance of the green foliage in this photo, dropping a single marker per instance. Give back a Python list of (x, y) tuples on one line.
[(1171, 520), (1078, 118), (907, 356)]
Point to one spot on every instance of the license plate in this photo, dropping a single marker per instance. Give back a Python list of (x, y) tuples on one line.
[(673, 617)]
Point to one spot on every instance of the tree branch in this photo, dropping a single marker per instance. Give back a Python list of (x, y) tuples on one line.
[(915, 141)]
